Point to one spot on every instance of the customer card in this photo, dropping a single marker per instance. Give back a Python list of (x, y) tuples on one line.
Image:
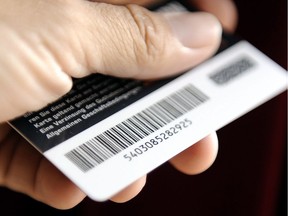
[(108, 132)]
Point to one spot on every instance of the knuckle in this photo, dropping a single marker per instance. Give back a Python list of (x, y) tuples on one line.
[(31, 80), (129, 41), (149, 38)]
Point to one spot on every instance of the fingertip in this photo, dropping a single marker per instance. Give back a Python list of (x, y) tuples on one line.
[(197, 158), (53, 188), (225, 10), (130, 192)]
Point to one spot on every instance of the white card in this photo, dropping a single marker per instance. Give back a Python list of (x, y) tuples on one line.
[(103, 152)]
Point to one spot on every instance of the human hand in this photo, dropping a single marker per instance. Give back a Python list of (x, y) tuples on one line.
[(45, 43)]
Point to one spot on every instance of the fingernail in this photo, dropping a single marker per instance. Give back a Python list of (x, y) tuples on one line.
[(195, 30)]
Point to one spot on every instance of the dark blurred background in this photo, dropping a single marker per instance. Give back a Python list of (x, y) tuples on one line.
[(249, 176)]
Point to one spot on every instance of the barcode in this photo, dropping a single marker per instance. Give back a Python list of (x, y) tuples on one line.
[(114, 140)]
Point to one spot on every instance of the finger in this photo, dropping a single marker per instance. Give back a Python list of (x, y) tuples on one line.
[(130, 192), (224, 10), (24, 170), (74, 38), (53, 188), (197, 158), (125, 2)]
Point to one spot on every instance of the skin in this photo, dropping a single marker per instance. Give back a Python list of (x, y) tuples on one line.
[(44, 43)]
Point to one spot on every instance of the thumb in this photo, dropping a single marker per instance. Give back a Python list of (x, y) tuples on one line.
[(57, 40), (130, 41)]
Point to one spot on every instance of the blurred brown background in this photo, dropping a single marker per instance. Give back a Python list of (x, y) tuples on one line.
[(249, 176)]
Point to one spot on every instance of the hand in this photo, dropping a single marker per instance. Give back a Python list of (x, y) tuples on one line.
[(45, 43)]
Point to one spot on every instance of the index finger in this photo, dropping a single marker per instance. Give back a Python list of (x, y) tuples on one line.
[(224, 10)]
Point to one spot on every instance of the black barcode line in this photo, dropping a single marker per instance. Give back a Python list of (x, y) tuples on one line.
[(79, 159), (125, 134), (184, 104), (86, 150), (148, 126), (91, 151), (138, 126), (177, 106), (161, 113), (152, 126), (106, 152), (199, 95), (118, 138), (155, 118), (105, 142), (134, 130)]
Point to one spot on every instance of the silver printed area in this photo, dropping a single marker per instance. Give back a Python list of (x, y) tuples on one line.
[(232, 71)]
